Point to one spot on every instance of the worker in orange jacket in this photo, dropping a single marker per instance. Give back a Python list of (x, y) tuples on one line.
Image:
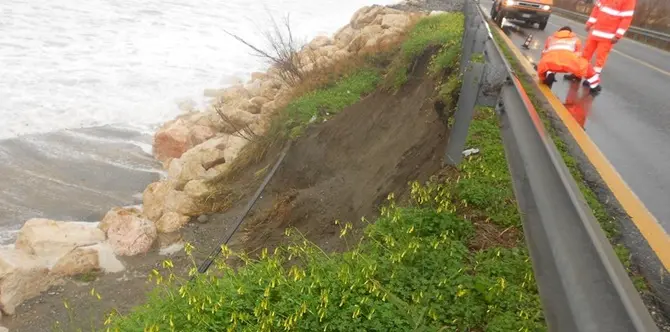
[(561, 55), (607, 24), (578, 106)]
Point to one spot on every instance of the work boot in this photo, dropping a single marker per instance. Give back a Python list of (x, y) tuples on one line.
[(572, 77), (595, 91), (586, 83), (550, 79)]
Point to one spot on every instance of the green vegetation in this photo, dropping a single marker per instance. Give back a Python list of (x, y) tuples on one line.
[(439, 31), (607, 222), (319, 104), (416, 269)]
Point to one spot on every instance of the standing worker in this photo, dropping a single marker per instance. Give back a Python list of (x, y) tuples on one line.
[(607, 24), (560, 55)]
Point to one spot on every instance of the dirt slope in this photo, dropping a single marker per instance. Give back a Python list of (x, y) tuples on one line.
[(344, 169)]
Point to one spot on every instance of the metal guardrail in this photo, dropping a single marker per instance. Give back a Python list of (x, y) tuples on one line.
[(652, 37), (582, 284)]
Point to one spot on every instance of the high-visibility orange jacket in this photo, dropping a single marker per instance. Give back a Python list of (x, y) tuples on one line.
[(610, 18), (562, 41), (560, 55)]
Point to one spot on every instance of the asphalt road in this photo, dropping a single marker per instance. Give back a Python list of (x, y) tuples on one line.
[(630, 119)]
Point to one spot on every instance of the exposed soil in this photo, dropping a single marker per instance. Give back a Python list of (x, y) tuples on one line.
[(342, 169), (345, 168)]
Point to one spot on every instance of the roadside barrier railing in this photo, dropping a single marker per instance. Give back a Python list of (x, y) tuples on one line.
[(582, 284)]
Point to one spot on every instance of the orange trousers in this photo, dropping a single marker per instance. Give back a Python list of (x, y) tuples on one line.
[(564, 62), (601, 47)]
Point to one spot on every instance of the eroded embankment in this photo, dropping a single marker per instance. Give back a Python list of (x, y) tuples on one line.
[(344, 168), (449, 256)]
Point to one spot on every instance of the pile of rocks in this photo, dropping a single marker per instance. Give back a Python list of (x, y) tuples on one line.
[(199, 146), (194, 147)]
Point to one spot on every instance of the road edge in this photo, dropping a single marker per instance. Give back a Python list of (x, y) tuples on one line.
[(645, 261)]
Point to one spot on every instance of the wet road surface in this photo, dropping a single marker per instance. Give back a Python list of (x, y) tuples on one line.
[(630, 119)]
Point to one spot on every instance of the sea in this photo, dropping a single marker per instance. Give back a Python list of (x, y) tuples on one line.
[(84, 84)]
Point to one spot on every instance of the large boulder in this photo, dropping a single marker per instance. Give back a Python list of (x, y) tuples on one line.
[(195, 162), (365, 16), (172, 140), (234, 147), (234, 94), (97, 257), (78, 261), (344, 36), (197, 189), (22, 276), (319, 42), (399, 21), (51, 239), (153, 199), (183, 204), (200, 133), (130, 235), (171, 222), (118, 214), (237, 119)]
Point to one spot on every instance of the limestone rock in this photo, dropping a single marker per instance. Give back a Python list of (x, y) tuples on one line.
[(319, 42), (22, 276), (235, 93), (153, 199), (196, 161), (178, 201), (259, 101), (131, 235), (235, 145), (365, 16), (197, 189), (400, 21), (268, 108), (51, 239), (254, 88), (199, 134), (344, 36), (237, 119), (171, 222), (171, 140), (78, 261), (117, 214)]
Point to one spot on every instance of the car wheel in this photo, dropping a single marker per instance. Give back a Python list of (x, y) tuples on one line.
[(543, 25)]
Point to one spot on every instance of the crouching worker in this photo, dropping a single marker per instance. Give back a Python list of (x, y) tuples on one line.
[(561, 55)]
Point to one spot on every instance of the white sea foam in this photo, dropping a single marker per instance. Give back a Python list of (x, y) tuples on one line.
[(82, 63)]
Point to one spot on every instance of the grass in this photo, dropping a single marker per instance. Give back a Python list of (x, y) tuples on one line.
[(607, 222), (320, 104), (442, 31), (415, 268)]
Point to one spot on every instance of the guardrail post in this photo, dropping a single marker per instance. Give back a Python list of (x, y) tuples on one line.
[(472, 82), (474, 41)]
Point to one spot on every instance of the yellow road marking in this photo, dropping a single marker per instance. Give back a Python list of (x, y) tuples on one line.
[(646, 223), (644, 63)]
